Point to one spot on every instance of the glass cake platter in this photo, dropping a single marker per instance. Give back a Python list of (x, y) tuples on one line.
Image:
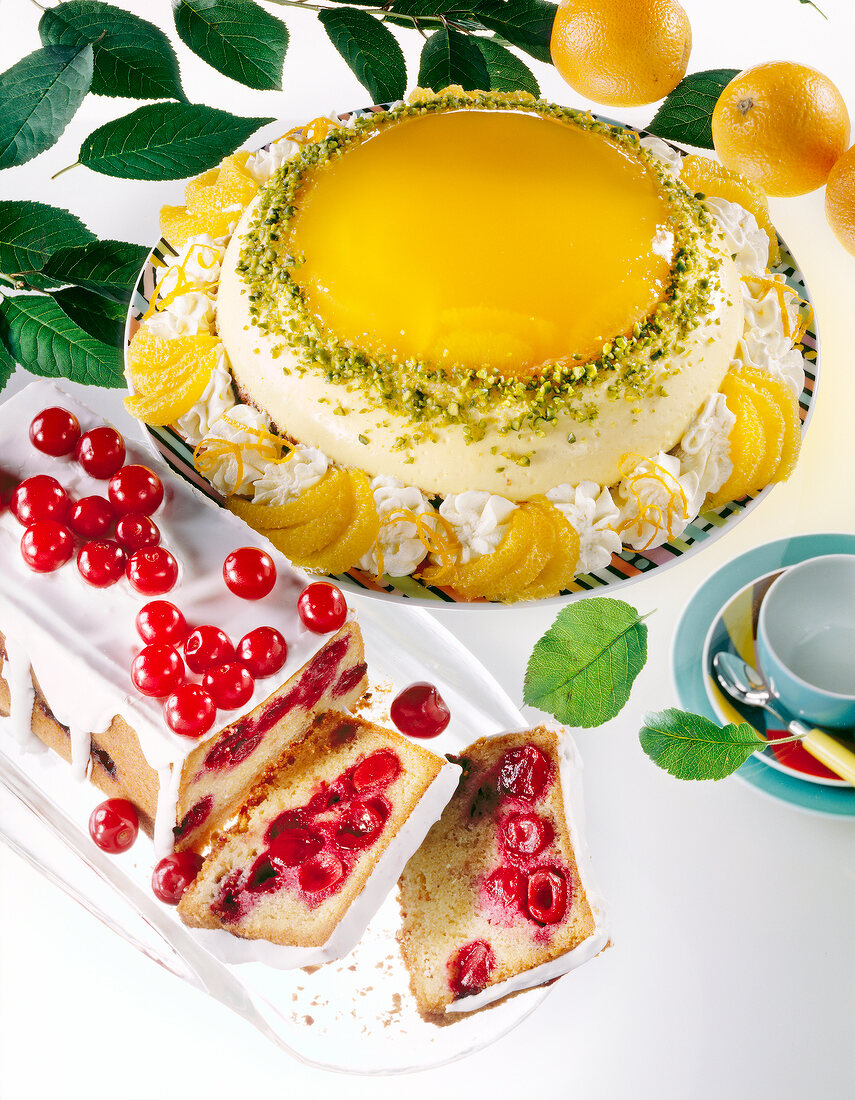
[(356, 1015), (623, 569)]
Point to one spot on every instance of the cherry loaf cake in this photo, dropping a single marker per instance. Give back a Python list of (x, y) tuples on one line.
[(321, 841), (70, 630), (495, 900)]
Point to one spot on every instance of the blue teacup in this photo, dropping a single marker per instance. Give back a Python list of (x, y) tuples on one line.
[(806, 640)]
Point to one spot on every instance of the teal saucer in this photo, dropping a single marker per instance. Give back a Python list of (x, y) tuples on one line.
[(687, 666)]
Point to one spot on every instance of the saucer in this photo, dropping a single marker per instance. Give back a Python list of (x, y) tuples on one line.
[(690, 673), (734, 630)]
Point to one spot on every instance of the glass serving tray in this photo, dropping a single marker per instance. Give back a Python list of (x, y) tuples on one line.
[(355, 1015)]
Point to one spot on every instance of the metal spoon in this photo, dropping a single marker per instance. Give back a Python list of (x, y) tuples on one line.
[(745, 685)]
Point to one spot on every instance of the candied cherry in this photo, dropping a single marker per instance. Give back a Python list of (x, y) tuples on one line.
[(322, 607), (101, 452), (375, 771), (525, 834), (524, 772), (229, 685), (172, 876), (291, 847), (157, 670), (152, 571), (470, 968), (135, 489), (161, 621), (249, 573), (46, 545), (288, 819), (361, 823), (54, 431), (189, 711), (506, 886), (101, 563), (114, 825), (320, 872), (262, 652), (547, 895), (420, 711), (135, 531), (92, 517), (207, 646), (40, 497)]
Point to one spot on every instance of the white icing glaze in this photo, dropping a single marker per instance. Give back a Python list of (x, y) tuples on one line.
[(480, 520), (570, 774), (398, 543), (350, 928), (591, 512), (283, 481), (217, 398), (18, 676), (80, 641)]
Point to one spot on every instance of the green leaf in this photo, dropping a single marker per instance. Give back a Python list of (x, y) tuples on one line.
[(813, 5), (507, 72), (583, 668), (30, 232), (686, 114), (449, 57), (100, 317), (166, 141), (371, 51), (132, 57), (39, 96), (7, 366), (524, 23), (236, 37), (110, 268), (689, 746), (44, 340), (426, 9)]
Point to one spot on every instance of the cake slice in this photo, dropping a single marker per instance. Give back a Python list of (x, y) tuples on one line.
[(321, 840), (495, 901)]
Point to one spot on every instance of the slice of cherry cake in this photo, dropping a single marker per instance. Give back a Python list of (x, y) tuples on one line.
[(321, 840), (494, 902)]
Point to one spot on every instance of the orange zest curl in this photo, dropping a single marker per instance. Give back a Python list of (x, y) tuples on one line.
[(652, 512), (269, 445), (781, 290), (433, 531), (208, 453), (310, 132)]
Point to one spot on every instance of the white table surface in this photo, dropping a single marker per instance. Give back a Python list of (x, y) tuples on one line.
[(732, 973)]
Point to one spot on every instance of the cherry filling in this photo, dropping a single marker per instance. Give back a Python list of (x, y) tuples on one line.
[(195, 817), (312, 849), (547, 895), (349, 679), (525, 834), (232, 749), (470, 968), (506, 887), (524, 773)]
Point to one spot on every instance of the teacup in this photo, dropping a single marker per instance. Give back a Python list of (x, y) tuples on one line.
[(806, 640)]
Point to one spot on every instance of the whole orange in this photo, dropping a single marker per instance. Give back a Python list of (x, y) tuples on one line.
[(621, 52), (840, 200), (781, 124)]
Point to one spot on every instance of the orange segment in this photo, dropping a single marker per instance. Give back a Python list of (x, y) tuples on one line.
[(177, 225), (772, 420), (559, 571), (539, 552), (166, 408), (301, 540), (227, 185), (168, 376), (310, 504), (359, 536), (746, 449), (483, 577), (783, 396)]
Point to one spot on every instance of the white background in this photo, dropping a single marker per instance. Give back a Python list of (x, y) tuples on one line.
[(732, 973)]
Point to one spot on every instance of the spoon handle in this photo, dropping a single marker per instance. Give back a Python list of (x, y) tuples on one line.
[(829, 751)]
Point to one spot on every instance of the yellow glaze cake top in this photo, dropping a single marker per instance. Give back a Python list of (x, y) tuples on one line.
[(482, 238)]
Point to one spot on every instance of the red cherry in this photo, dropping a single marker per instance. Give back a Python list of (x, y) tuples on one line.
[(525, 834), (161, 621), (101, 452), (114, 825), (547, 895), (92, 517), (321, 872), (361, 823), (189, 711), (376, 771), (135, 489), (40, 497), (101, 563), (135, 531), (152, 571), (206, 647), (229, 685), (506, 886), (46, 545), (420, 711), (322, 607), (263, 651), (294, 846), (524, 772), (157, 670), (471, 967), (174, 874), (249, 573), (54, 431), (289, 819)]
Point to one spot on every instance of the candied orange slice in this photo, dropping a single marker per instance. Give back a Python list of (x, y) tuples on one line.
[(563, 564), (705, 175), (359, 536), (482, 576), (177, 224), (156, 363), (772, 420), (786, 401), (746, 450), (301, 540), (540, 550), (228, 185), (165, 407), (311, 503)]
